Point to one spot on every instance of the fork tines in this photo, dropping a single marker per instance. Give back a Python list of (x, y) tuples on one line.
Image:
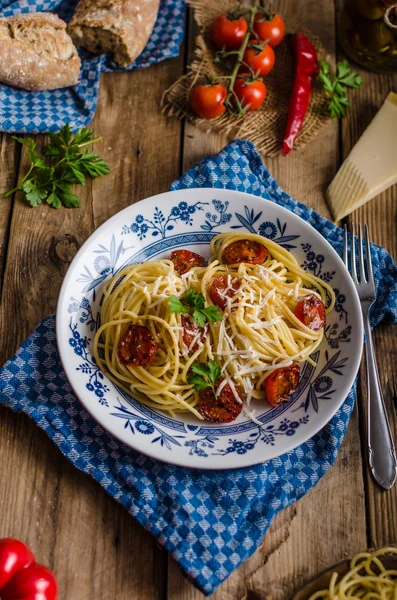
[(364, 273)]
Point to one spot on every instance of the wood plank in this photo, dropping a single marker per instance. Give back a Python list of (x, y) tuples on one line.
[(96, 549), (299, 542), (381, 215), (9, 157)]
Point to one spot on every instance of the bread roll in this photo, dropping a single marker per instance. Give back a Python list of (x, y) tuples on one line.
[(36, 52), (120, 28)]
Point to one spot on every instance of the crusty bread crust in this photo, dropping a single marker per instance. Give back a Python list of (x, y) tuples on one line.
[(120, 28), (37, 53)]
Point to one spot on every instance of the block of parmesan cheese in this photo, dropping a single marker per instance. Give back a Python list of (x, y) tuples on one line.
[(371, 166)]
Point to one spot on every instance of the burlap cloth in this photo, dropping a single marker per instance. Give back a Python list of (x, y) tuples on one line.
[(265, 126)]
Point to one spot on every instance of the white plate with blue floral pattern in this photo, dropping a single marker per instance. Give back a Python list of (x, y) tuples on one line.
[(149, 230)]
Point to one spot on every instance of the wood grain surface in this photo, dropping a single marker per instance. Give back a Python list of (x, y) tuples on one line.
[(96, 549)]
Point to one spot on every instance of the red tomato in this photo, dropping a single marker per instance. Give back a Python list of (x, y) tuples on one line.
[(250, 94), (190, 331), (311, 312), (220, 409), (228, 33), (223, 287), (137, 346), (184, 260), (245, 251), (207, 101), (33, 583), (272, 29), (281, 383), (260, 61), (14, 556)]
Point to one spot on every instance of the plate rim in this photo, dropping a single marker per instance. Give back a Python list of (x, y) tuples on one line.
[(173, 459)]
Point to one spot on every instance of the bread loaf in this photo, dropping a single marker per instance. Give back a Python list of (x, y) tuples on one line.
[(120, 28), (36, 52)]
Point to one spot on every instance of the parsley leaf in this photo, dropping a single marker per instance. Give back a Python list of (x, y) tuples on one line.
[(176, 305), (66, 162), (199, 317), (204, 375), (211, 313), (30, 146), (196, 301), (34, 195), (334, 86)]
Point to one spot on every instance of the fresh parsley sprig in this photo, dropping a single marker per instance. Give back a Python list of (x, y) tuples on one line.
[(193, 303), (204, 375), (67, 161), (334, 85)]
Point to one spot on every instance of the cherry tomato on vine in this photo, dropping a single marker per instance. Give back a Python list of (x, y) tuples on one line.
[(270, 27), (207, 101), (251, 94), (261, 61), (228, 32)]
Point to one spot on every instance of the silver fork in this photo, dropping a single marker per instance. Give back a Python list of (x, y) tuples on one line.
[(382, 453)]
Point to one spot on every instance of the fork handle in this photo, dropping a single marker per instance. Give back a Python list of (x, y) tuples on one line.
[(382, 453)]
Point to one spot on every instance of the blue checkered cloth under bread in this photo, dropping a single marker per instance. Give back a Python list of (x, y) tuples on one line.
[(39, 112), (210, 521)]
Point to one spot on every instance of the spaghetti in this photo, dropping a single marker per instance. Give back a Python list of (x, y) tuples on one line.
[(367, 579), (259, 330)]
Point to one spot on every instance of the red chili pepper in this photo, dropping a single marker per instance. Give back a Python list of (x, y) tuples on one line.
[(306, 67), (20, 577)]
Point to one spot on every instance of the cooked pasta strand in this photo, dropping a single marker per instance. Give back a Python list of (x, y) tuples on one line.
[(259, 331), (368, 579)]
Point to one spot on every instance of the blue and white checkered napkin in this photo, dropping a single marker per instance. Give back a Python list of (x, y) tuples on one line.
[(210, 521), (39, 112)]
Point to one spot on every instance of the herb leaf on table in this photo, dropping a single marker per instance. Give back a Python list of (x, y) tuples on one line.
[(67, 161), (334, 85)]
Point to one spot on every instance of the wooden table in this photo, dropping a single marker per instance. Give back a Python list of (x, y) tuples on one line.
[(97, 550)]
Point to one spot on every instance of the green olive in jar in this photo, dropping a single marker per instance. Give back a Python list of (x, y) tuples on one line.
[(370, 9), (375, 35)]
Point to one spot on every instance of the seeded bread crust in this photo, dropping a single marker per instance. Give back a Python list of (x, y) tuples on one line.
[(120, 28), (37, 53)]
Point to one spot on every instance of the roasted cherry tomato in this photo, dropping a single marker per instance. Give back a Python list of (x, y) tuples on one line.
[(33, 583), (207, 101), (14, 556), (311, 311), (227, 32), (245, 251), (220, 409), (223, 287), (192, 331), (137, 346), (281, 383), (250, 94), (260, 60), (184, 260), (270, 27)]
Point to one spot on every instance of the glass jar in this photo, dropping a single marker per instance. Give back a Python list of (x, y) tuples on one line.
[(368, 33)]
